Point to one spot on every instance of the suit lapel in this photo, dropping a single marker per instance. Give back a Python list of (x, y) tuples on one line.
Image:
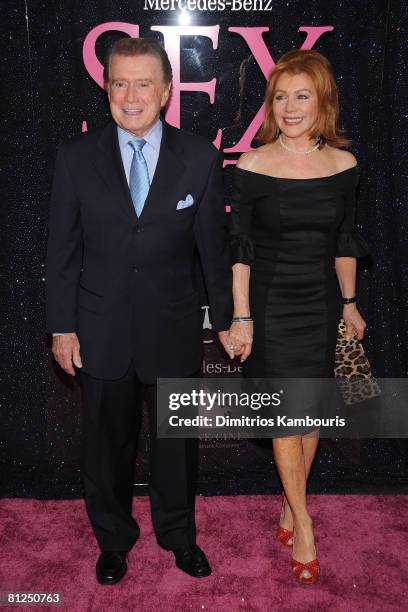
[(110, 168), (169, 171)]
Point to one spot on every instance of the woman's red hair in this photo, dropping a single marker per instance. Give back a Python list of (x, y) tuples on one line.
[(319, 69)]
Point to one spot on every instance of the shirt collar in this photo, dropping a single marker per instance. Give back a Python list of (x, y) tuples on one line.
[(153, 136)]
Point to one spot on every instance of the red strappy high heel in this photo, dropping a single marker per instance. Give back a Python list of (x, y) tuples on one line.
[(311, 566), (282, 534)]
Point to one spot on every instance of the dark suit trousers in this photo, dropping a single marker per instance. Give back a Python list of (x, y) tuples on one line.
[(112, 416)]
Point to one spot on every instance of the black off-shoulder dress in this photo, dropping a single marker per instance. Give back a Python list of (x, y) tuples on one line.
[(290, 231)]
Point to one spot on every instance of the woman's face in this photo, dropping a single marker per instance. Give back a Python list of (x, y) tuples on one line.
[(295, 104)]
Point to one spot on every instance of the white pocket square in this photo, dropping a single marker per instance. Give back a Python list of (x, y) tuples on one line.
[(189, 201)]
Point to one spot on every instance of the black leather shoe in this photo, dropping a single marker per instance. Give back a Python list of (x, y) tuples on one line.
[(193, 561), (111, 567)]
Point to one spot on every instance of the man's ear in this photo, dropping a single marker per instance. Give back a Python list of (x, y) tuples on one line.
[(166, 94)]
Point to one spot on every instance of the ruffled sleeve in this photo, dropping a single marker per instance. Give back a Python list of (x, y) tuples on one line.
[(350, 243), (241, 244)]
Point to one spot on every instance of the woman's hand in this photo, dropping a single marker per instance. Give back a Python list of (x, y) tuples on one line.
[(240, 338), (355, 324)]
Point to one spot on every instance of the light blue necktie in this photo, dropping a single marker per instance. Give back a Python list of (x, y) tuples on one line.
[(139, 176)]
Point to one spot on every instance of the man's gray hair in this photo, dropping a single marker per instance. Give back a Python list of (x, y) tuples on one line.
[(138, 46)]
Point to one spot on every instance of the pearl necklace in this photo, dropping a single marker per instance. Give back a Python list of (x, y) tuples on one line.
[(316, 146)]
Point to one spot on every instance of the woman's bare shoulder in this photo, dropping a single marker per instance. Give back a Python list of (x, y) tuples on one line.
[(245, 160), (255, 158), (342, 158)]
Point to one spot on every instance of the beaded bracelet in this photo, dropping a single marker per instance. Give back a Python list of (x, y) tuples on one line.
[(242, 319)]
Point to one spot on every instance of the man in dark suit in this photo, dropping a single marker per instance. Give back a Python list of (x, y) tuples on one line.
[(130, 204)]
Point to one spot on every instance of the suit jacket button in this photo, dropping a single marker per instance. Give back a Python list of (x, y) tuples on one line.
[(135, 269)]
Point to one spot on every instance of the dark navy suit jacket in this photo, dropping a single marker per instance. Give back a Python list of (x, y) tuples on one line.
[(127, 285)]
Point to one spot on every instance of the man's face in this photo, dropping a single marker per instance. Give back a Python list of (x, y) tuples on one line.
[(136, 92)]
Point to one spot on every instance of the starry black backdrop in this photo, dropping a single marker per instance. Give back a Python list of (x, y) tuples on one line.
[(47, 94)]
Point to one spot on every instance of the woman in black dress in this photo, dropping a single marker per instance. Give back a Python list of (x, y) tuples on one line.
[(294, 248)]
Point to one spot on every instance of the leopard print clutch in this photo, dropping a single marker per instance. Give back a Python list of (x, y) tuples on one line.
[(352, 370)]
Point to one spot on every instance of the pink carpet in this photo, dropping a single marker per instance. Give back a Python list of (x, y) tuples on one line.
[(362, 541)]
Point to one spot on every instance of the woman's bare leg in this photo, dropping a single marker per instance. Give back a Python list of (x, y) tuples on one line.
[(291, 462), (309, 443)]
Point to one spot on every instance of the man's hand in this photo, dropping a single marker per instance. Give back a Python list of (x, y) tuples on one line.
[(65, 349), (223, 337)]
